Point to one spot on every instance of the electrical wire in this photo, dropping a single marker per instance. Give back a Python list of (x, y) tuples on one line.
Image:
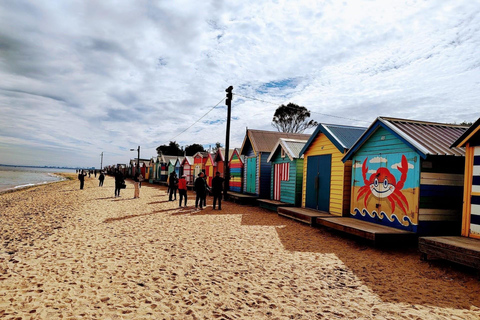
[(323, 114), (173, 139)]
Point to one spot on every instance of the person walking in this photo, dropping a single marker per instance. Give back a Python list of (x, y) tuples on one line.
[(206, 191), (182, 190), (81, 177), (173, 183), (136, 184), (201, 190), (119, 181), (95, 173), (217, 188), (101, 177)]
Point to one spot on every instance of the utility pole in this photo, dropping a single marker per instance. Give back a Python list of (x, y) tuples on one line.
[(138, 160), (228, 102), (101, 161)]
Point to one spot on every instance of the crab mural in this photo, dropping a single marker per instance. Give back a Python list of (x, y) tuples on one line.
[(382, 184)]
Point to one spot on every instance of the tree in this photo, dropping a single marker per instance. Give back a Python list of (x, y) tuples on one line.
[(194, 148), (292, 118), (172, 149), (218, 145)]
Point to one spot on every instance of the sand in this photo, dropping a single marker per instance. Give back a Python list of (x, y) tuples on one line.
[(69, 253)]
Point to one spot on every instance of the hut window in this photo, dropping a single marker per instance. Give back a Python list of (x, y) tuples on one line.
[(282, 153)]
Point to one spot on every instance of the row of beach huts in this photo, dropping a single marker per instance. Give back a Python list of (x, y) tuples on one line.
[(396, 180)]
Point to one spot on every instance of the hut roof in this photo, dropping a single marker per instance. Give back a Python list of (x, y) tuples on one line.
[(240, 156), (426, 138), (264, 141), (471, 132), (292, 148), (188, 159), (343, 137)]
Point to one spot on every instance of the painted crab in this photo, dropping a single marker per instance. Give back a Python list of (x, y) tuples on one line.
[(382, 184)]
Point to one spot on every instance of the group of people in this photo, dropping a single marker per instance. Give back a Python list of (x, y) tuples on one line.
[(200, 187), (82, 174)]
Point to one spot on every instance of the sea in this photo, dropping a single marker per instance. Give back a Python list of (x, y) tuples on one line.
[(20, 177)]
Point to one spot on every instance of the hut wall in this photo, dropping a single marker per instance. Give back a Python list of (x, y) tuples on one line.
[(209, 170), (249, 154), (340, 178), (236, 173), (264, 179), (383, 154), (291, 189), (441, 195), (471, 202)]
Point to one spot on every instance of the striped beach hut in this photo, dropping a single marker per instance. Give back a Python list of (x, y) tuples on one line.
[(188, 166), (199, 160), (326, 179), (287, 171), (406, 176), (236, 171), (256, 148), (470, 140), (210, 168)]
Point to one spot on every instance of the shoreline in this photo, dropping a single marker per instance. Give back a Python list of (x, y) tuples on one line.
[(64, 177)]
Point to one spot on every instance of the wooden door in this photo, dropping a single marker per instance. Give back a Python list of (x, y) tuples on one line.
[(251, 174), (277, 181), (318, 182)]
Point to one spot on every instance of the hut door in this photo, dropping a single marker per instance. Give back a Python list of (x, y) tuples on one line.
[(251, 174), (277, 180), (318, 182)]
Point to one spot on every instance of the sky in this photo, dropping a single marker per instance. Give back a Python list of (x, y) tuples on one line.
[(78, 78)]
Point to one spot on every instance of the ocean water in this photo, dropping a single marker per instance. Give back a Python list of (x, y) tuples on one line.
[(18, 177)]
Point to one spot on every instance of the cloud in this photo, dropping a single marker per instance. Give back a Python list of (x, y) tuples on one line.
[(105, 76), (378, 160)]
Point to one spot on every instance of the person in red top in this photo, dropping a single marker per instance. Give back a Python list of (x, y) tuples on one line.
[(182, 190)]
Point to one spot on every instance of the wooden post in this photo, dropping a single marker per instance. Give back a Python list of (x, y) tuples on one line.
[(226, 169)]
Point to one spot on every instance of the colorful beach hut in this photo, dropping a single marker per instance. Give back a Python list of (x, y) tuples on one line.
[(151, 170), (406, 176), (199, 160), (236, 171), (256, 148), (171, 166), (188, 167), (326, 179), (178, 166), (163, 163), (470, 140), (287, 171), (210, 168)]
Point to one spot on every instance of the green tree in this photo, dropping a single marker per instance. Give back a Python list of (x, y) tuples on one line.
[(172, 149), (218, 145), (292, 118), (194, 148)]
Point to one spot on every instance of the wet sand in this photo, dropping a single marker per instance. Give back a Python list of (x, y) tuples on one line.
[(69, 253)]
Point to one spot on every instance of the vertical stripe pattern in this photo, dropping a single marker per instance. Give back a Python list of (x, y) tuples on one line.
[(282, 173)]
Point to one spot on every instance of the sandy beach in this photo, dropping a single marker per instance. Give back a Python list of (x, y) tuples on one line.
[(68, 253)]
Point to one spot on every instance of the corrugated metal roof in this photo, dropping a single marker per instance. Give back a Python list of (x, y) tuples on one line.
[(429, 137), (345, 135), (264, 141), (293, 147)]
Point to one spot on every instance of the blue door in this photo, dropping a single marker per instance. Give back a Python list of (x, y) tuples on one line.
[(251, 175), (318, 182)]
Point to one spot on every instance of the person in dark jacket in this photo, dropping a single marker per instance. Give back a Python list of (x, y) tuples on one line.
[(101, 177), (217, 188), (119, 180), (81, 177), (201, 190), (173, 184)]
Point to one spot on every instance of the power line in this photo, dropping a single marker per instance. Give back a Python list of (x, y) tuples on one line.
[(323, 114), (172, 139)]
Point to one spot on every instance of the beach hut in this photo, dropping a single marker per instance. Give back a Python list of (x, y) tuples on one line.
[(406, 176), (236, 171), (171, 166), (210, 168), (178, 167), (256, 148), (326, 179), (188, 167), (470, 140), (464, 249), (219, 159), (151, 170), (163, 166), (287, 171), (199, 161)]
